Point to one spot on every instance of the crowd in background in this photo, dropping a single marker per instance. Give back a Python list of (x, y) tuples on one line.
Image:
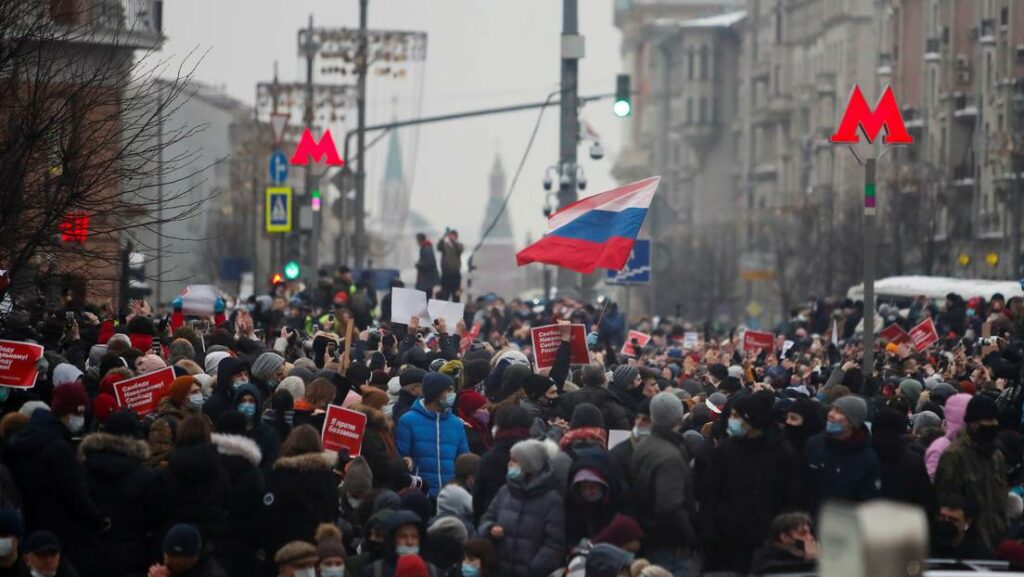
[(672, 460)]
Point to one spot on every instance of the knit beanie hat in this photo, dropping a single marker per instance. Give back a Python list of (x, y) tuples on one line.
[(666, 411), (888, 424), (911, 389), (853, 408), (531, 455), (624, 375), (149, 363), (755, 409), (470, 401), (294, 386), (434, 384), (296, 552), (621, 531), (123, 423), (593, 375), (979, 408), (374, 397), (183, 540), (103, 406), (513, 417), (942, 392), (475, 371), (358, 373), (379, 379), (455, 370), (586, 415), (213, 360), (411, 376), (719, 371), (358, 476), (514, 378), (926, 420), (605, 560), (68, 399), (466, 465), (536, 385), (178, 390), (266, 365), (329, 544)]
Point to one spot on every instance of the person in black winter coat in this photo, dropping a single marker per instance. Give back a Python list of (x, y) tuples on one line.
[(622, 454), (594, 392), (229, 372), (194, 487), (752, 481), (593, 497), (52, 481), (904, 476), (379, 450), (840, 463), (803, 419), (240, 456), (513, 425), (249, 402), (403, 535), (302, 490), (118, 478)]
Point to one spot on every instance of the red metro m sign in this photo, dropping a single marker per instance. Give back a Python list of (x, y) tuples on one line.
[(309, 148), (886, 115)]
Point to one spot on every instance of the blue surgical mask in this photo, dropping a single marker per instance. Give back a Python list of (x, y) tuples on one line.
[(514, 472), (338, 571), (247, 409), (238, 384), (641, 432), (402, 550), (470, 570), (196, 400), (735, 428), (272, 384), (833, 428), (449, 400)]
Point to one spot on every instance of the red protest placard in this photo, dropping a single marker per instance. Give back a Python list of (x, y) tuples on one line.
[(924, 335), (757, 340), (641, 340), (894, 334), (18, 364), (140, 394), (547, 339), (343, 429)]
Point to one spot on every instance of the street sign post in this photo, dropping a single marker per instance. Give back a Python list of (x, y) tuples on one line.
[(279, 209), (637, 270), (278, 123), (887, 120), (278, 167)]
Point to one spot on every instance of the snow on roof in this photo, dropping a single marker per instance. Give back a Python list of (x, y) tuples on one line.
[(726, 20)]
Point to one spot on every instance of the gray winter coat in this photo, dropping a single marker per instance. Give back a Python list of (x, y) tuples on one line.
[(533, 516), (663, 493)]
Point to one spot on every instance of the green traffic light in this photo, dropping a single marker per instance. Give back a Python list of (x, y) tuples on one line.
[(292, 270), (623, 105), (622, 108)]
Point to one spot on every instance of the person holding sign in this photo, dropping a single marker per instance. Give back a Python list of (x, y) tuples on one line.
[(431, 435)]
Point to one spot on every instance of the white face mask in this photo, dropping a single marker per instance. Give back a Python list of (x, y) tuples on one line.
[(36, 573), (338, 571), (307, 572), (6, 546), (76, 423)]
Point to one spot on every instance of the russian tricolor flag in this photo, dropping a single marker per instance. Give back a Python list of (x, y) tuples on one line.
[(595, 232)]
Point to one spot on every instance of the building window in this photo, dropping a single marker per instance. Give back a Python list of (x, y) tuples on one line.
[(703, 116), (703, 62), (689, 110), (689, 63), (778, 23)]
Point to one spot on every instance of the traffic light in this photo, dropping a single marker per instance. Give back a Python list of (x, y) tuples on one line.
[(316, 200), (292, 270), (623, 105)]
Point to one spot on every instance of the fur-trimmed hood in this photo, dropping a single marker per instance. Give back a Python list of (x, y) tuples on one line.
[(322, 461), (97, 442), (237, 446), (374, 419)]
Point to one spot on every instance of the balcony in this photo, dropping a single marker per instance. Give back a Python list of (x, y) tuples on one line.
[(988, 33), (963, 176), (125, 23)]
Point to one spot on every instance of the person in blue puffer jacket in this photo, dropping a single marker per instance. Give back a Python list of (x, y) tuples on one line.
[(430, 435)]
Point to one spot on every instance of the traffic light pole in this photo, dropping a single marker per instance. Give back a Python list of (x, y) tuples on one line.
[(313, 242), (869, 267), (360, 241)]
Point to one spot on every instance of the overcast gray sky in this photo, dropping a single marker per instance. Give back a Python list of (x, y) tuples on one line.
[(481, 53)]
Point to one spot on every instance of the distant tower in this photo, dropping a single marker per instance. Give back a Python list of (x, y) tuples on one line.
[(502, 231), (495, 261)]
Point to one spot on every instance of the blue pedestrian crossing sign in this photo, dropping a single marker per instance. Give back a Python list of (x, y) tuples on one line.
[(278, 167), (637, 269), (279, 209)]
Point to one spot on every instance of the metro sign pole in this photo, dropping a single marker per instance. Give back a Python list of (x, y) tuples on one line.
[(885, 116)]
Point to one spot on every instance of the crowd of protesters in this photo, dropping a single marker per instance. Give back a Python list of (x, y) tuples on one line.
[(673, 461)]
